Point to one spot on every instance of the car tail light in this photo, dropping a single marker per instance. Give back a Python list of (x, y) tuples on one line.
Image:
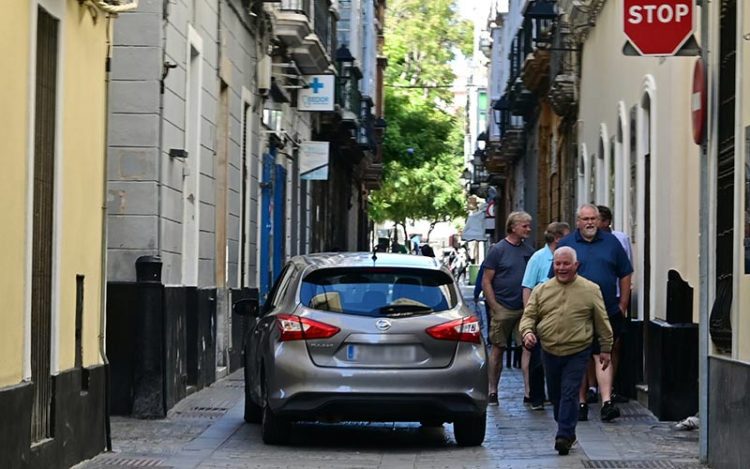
[(297, 328), (462, 330)]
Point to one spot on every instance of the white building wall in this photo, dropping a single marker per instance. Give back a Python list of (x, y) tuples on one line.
[(611, 82)]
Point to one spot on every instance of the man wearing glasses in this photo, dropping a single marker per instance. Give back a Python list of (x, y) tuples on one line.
[(603, 261)]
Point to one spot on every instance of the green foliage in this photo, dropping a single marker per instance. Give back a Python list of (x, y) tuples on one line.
[(422, 38)]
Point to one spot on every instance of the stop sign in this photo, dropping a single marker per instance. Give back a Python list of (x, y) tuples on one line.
[(658, 27)]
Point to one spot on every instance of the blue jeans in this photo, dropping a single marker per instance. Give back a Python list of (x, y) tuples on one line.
[(564, 376)]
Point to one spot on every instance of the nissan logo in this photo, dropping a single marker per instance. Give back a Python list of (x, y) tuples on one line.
[(383, 324)]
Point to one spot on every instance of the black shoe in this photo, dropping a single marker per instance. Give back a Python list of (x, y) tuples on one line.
[(591, 397), (492, 399), (619, 398), (526, 400), (609, 411), (563, 445), (583, 412), (537, 406)]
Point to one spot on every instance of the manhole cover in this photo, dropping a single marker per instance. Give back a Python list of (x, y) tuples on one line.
[(201, 412), (132, 462), (636, 464)]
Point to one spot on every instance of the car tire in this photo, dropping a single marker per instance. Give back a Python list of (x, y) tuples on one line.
[(274, 429), (469, 431)]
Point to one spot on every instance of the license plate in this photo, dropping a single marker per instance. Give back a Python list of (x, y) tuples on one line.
[(381, 353)]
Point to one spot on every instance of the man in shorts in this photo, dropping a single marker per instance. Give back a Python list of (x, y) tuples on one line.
[(504, 267)]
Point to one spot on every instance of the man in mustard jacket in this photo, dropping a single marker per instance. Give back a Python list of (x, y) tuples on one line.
[(565, 314)]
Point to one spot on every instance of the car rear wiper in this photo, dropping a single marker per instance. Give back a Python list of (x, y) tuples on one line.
[(404, 310)]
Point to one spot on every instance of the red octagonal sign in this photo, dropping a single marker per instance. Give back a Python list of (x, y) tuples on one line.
[(658, 27)]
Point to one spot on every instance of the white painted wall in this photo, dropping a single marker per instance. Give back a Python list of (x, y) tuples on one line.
[(612, 83)]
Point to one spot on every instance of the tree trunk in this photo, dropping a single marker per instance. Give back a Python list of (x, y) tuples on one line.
[(406, 235), (429, 232)]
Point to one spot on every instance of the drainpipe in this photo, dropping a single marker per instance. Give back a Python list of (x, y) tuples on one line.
[(103, 266), (705, 229)]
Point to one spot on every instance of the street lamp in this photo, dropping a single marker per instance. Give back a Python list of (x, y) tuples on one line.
[(345, 59)]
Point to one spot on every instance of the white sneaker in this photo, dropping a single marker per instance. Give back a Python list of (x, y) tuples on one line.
[(690, 423)]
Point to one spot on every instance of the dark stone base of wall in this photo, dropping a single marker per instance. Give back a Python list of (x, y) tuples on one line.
[(78, 416), (672, 370), (630, 368), (729, 413), (181, 345)]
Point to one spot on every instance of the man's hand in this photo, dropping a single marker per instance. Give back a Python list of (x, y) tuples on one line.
[(623, 309), (529, 340), (605, 358)]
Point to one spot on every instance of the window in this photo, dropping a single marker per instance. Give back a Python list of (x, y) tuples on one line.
[(378, 291)]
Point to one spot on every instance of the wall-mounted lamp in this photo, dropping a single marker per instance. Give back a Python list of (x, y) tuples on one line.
[(345, 59)]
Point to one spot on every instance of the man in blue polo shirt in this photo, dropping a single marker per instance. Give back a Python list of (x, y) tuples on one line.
[(604, 262)]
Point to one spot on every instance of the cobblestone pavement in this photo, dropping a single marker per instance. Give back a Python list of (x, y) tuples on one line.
[(206, 430)]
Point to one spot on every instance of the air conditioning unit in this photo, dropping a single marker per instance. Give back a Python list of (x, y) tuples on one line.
[(264, 75)]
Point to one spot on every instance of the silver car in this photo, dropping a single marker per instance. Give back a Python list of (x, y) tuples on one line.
[(363, 337)]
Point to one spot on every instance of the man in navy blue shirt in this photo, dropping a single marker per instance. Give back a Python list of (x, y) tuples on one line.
[(603, 261)]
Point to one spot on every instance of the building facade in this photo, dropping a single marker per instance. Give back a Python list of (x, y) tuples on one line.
[(209, 186), (53, 379), (725, 258), (578, 122)]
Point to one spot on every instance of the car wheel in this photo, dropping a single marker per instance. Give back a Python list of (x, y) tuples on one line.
[(469, 431), (253, 412)]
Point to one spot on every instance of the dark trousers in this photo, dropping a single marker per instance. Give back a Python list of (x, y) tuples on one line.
[(536, 376), (564, 375)]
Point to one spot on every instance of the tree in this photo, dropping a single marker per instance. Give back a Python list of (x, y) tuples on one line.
[(422, 151)]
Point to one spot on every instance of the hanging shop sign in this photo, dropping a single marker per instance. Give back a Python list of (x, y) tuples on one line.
[(319, 94), (313, 161)]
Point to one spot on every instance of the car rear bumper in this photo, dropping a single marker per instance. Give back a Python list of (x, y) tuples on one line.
[(380, 407), (299, 389)]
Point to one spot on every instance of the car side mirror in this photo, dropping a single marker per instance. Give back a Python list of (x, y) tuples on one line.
[(246, 307)]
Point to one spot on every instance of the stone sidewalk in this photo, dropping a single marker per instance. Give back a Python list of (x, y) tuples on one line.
[(206, 430)]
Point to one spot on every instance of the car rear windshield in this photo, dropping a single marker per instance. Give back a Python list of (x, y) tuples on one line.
[(376, 291)]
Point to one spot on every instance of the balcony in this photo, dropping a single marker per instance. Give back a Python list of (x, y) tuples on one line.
[(563, 90), (307, 29), (506, 152), (536, 71), (292, 21), (372, 176)]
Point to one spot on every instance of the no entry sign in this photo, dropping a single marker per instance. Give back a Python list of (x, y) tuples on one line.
[(658, 27)]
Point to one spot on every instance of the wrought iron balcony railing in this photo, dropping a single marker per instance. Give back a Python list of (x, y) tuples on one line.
[(300, 6)]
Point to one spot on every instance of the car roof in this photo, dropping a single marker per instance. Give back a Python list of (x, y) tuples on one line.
[(365, 259)]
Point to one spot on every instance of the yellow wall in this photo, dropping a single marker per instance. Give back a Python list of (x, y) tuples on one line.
[(14, 48), (609, 77), (79, 186), (84, 119)]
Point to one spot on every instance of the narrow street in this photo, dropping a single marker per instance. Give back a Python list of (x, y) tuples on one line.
[(206, 430)]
